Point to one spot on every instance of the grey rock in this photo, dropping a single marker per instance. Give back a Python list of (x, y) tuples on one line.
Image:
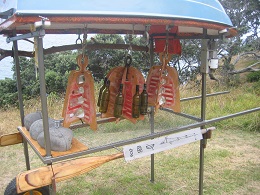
[(37, 127), (60, 137), (29, 119)]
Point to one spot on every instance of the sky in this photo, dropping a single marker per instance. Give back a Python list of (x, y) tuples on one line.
[(48, 41)]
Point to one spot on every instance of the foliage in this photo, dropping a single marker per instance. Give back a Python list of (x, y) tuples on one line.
[(102, 61), (8, 92), (245, 17), (253, 76), (54, 82), (57, 68), (187, 63)]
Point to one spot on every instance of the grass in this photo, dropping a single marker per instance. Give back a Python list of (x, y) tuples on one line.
[(231, 158)]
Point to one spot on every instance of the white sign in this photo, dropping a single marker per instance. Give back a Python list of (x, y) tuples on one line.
[(160, 144)]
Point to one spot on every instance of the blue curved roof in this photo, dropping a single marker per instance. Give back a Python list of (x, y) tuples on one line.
[(116, 16), (205, 10)]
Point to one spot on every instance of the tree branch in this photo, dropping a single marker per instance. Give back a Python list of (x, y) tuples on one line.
[(246, 53), (96, 46), (247, 69)]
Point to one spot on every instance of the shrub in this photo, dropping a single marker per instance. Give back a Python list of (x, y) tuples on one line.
[(9, 100), (8, 93), (253, 76)]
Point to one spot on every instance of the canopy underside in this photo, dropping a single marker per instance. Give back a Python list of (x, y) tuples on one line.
[(193, 18), (113, 25)]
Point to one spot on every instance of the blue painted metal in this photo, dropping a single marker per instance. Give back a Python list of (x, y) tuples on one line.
[(202, 10)]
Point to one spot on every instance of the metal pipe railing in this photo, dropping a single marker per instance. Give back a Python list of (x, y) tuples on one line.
[(43, 93), (207, 95), (149, 136)]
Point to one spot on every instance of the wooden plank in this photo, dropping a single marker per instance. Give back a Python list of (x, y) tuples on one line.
[(11, 139), (76, 146), (163, 86), (73, 109), (44, 176)]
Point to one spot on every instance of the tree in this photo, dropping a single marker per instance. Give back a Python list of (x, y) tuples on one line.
[(187, 63), (245, 16), (8, 92), (57, 68), (103, 60)]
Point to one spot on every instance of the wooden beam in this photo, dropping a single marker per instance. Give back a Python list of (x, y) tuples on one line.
[(11, 139)]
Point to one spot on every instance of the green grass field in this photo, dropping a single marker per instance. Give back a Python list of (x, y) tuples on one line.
[(232, 156)]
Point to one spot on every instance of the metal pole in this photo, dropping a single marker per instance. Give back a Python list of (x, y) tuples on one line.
[(20, 99), (152, 131), (146, 137), (151, 52), (203, 142), (207, 95), (25, 36), (181, 114), (43, 97), (26, 154), (152, 111), (18, 79), (44, 102)]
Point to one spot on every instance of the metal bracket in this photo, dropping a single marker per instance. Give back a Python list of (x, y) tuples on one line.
[(48, 158), (39, 33), (204, 67), (223, 33)]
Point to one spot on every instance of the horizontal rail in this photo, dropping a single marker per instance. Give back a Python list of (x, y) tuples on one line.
[(104, 120), (149, 136), (96, 46), (208, 95), (182, 114), (43, 159), (165, 109), (39, 33)]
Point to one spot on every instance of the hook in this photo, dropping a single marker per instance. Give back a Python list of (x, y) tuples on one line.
[(79, 39), (130, 49), (146, 35), (128, 60)]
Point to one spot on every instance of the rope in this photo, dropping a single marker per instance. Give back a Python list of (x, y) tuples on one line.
[(84, 43), (53, 180), (166, 49)]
